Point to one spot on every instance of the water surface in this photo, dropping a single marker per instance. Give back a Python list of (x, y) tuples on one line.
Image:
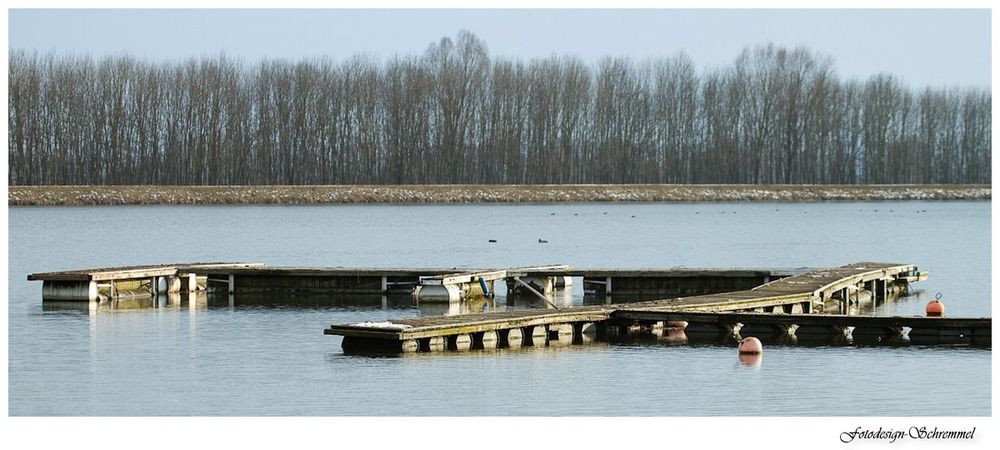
[(271, 358)]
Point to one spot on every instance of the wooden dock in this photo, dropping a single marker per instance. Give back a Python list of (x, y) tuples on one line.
[(428, 285), (110, 282), (865, 329), (726, 302), (786, 306)]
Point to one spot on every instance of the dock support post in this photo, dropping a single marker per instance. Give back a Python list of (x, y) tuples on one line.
[(512, 338), (460, 342), (232, 284), (70, 290), (435, 344), (487, 340), (169, 284), (437, 293), (561, 334), (535, 336), (192, 282), (410, 346), (607, 286), (731, 329), (587, 332), (385, 284)]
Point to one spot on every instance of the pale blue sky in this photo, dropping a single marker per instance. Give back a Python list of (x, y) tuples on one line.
[(922, 47)]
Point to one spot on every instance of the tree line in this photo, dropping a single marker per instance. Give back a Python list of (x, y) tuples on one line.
[(454, 114)]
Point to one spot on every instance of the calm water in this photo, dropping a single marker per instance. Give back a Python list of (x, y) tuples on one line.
[(273, 359)]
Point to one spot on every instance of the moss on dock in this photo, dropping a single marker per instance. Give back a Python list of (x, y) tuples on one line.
[(219, 195)]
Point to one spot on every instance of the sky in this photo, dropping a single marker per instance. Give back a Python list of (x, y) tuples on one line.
[(923, 47)]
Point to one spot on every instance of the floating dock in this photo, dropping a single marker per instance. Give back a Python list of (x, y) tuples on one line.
[(445, 285), (719, 302), (792, 306), (128, 281)]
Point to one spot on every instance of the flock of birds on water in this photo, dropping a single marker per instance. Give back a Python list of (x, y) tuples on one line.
[(543, 241)]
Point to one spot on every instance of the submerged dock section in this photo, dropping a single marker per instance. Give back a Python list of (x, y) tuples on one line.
[(112, 282), (429, 285)]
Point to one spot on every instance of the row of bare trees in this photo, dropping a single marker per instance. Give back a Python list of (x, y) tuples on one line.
[(456, 115)]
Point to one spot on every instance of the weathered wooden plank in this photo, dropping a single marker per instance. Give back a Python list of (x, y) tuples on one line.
[(543, 271), (357, 331), (125, 272), (655, 272), (503, 325), (473, 323), (329, 271)]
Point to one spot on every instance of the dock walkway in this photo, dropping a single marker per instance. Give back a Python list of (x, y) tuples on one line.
[(787, 305)]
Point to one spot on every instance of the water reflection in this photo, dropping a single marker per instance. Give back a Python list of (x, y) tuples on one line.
[(175, 301), (468, 306), (558, 297), (201, 300), (752, 360)]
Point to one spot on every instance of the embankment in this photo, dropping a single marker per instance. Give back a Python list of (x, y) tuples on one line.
[(238, 195)]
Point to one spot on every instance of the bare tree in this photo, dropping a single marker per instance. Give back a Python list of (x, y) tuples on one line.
[(454, 115)]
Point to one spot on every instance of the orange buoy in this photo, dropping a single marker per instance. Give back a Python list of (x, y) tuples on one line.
[(935, 308), (750, 346)]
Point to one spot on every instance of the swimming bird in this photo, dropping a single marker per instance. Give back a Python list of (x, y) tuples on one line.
[(543, 241)]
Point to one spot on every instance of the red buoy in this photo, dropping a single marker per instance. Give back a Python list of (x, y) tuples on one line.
[(935, 308), (750, 346)]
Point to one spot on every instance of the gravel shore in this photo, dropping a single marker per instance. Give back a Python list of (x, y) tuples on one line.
[(239, 195)]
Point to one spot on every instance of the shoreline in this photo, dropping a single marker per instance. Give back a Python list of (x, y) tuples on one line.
[(431, 194)]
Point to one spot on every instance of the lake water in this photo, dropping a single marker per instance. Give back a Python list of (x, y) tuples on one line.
[(272, 358)]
